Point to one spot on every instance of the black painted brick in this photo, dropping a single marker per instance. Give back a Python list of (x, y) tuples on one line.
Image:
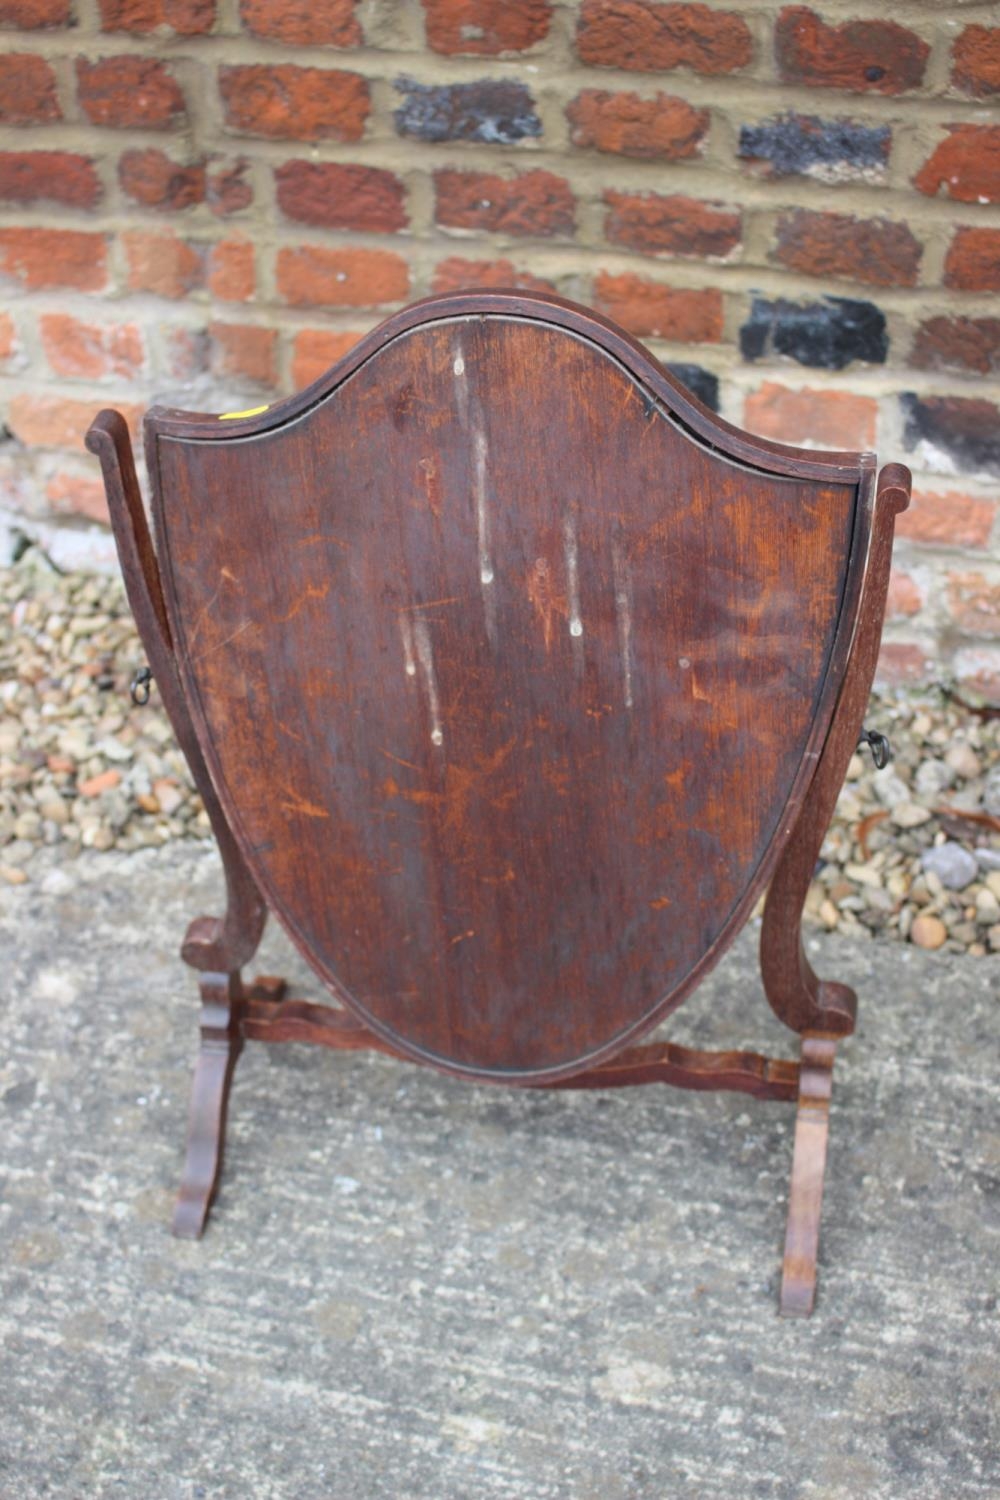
[(701, 382), (794, 143), (497, 111), (825, 335), (968, 430)]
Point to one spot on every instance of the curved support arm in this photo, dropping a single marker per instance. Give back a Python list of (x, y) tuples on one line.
[(800, 999), (211, 944)]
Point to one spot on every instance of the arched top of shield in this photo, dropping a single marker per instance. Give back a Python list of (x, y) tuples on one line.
[(511, 663)]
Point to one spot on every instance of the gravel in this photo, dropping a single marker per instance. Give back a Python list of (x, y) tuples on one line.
[(913, 853)]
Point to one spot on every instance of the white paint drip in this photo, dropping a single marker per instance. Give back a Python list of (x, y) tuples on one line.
[(407, 637), (482, 513), (623, 613), (572, 576), (426, 658), (461, 386)]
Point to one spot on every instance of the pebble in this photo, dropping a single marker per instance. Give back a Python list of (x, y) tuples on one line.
[(928, 931), (964, 761), (987, 908), (910, 815), (954, 866), (932, 777), (82, 768), (991, 793)]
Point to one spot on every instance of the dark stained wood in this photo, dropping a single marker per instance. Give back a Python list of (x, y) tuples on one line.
[(481, 691), (797, 996), (511, 676), (220, 1047), (212, 944), (267, 1017), (812, 1126)]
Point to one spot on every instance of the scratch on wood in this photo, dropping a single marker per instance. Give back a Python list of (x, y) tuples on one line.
[(315, 537), (300, 603), (623, 613), (219, 644), (203, 612), (399, 762), (297, 804), (461, 937), (434, 603), (432, 485)]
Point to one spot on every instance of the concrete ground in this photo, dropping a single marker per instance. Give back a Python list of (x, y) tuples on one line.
[(416, 1288)]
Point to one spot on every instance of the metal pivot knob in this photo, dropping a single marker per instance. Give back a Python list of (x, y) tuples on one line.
[(879, 745), (139, 686)]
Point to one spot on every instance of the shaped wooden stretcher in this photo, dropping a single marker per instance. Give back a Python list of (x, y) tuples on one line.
[(510, 676)]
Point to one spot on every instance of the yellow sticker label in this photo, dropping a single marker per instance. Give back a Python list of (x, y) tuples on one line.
[(231, 416)]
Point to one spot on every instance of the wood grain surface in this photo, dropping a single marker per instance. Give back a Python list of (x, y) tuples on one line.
[(511, 665)]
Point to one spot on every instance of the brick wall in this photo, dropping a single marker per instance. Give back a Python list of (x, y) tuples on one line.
[(206, 201)]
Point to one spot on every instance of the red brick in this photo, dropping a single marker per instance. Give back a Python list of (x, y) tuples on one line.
[(134, 93), (534, 203), (976, 61), (77, 495), (231, 271), (966, 164), (27, 90), (55, 422), (875, 251), (973, 261), (948, 520), (8, 337), (315, 350), (485, 28), (48, 176), (674, 225), (41, 258), (86, 351), (228, 191), (945, 343), (162, 263), (186, 17), (877, 57), (185, 352), (651, 310), (977, 671), (302, 104), (336, 196), (243, 352), (35, 15), (456, 274), (828, 419), (902, 661), (303, 23), (317, 277), (904, 596), (628, 125), (649, 38), (152, 179), (974, 602)]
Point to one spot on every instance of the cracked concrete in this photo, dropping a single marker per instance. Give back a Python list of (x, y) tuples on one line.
[(417, 1288)]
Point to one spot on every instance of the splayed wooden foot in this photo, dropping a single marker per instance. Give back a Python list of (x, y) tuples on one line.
[(798, 1278), (221, 1044)]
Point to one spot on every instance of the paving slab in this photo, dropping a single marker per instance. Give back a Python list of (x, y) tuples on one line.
[(413, 1287)]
